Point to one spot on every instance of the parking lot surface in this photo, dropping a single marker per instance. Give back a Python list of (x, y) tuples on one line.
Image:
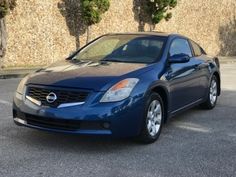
[(195, 143)]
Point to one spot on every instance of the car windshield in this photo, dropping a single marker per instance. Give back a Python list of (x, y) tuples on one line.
[(123, 48)]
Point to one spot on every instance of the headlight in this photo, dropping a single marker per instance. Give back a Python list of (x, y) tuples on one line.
[(21, 86), (120, 91)]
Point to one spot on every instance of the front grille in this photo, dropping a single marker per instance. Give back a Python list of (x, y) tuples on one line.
[(52, 123), (63, 95), (63, 124)]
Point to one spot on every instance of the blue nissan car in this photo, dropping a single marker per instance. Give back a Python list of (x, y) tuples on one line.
[(121, 85)]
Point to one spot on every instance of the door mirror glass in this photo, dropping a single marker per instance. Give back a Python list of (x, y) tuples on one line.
[(179, 58)]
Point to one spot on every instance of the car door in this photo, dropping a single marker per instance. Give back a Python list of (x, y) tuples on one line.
[(203, 67), (183, 78)]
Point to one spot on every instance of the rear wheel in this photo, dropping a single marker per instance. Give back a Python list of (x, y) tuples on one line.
[(212, 94), (153, 119)]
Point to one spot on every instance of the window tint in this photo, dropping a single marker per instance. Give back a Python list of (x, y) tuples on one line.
[(180, 46), (197, 50)]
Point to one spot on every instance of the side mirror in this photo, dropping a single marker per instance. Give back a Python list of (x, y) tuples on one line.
[(179, 58)]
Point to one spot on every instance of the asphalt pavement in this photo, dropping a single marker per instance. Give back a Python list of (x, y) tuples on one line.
[(195, 143)]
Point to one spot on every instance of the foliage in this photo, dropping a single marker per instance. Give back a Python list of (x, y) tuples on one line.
[(93, 9), (12, 4), (159, 9), (6, 6)]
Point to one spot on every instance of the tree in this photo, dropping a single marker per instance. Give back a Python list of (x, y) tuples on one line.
[(156, 10), (5, 7), (71, 11), (92, 11)]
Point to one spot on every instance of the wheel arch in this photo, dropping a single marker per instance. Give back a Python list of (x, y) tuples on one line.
[(164, 94), (217, 75)]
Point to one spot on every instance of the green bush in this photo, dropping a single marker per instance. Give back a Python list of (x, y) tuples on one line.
[(6, 6), (12, 4), (159, 9), (93, 9)]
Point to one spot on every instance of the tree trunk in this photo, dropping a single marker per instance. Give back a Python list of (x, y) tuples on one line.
[(3, 39), (141, 26), (88, 35), (140, 16), (151, 27)]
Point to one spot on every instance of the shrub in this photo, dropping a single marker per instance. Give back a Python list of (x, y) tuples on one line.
[(158, 10), (6, 6), (92, 11)]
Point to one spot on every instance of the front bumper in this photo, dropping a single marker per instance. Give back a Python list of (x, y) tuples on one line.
[(119, 119)]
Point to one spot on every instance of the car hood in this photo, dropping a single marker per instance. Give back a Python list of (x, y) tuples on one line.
[(85, 75)]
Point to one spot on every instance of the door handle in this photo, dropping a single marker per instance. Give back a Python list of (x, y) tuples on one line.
[(197, 67)]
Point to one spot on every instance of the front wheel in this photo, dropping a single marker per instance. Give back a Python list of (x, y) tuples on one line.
[(212, 94), (153, 119)]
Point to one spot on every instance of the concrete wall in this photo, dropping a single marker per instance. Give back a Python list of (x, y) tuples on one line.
[(43, 31)]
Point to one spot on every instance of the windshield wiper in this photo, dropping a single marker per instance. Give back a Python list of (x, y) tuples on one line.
[(112, 60)]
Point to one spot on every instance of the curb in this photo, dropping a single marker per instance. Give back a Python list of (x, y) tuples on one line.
[(11, 76), (15, 73), (227, 60)]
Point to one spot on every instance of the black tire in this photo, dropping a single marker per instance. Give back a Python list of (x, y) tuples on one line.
[(145, 136), (208, 104)]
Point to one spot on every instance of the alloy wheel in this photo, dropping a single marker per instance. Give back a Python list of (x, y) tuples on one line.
[(154, 117), (213, 92)]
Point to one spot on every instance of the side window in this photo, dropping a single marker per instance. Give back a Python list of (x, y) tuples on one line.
[(197, 50), (180, 46)]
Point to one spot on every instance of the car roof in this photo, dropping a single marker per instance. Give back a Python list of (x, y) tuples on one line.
[(152, 33)]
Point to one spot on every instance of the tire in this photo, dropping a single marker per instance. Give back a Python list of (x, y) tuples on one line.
[(212, 94), (153, 119)]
